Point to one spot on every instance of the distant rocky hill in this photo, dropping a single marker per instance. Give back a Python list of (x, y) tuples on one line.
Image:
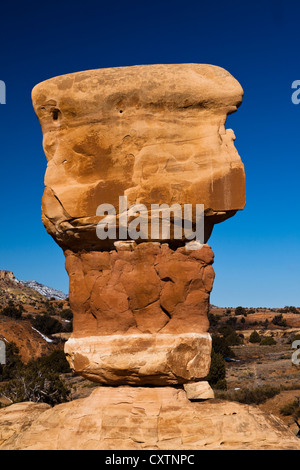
[(25, 291), (34, 299), (46, 291), (30, 342)]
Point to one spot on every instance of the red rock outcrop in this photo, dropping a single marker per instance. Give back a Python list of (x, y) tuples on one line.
[(149, 289), (30, 343), (7, 275), (141, 313)]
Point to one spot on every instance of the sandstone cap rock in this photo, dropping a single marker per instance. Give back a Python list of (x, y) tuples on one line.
[(155, 133)]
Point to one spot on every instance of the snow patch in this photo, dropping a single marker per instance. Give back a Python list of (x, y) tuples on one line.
[(45, 290), (43, 336)]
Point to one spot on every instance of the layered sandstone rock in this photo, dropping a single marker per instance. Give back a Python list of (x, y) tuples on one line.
[(141, 315), (199, 391), (16, 419), (141, 359), (149, 289), (155, 135), (135, 418)]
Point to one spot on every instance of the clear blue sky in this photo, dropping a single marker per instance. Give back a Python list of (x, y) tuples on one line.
[(257, 256)]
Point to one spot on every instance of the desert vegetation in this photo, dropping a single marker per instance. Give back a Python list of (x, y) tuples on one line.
[(48, 318), (251, 358), (38, 381)]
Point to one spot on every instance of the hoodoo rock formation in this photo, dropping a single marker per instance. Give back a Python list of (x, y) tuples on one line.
[(156, 135)]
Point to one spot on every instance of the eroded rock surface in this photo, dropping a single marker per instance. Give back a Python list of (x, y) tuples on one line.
[(199, 391), (141, 315), (150, 289), (16, 419), (150, 418), (152, 359), (154, 133)]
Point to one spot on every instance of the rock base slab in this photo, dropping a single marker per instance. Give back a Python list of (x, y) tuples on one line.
[(138, 418)]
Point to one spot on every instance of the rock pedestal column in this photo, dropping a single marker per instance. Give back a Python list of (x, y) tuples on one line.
[(147, 309)]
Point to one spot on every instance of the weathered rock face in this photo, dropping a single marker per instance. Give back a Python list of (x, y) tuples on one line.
[(116, 418), (156, 135), (141, 315), (7, 275), (149, 289), (17, 418), (153, 133), (199, 391), (141, 359)]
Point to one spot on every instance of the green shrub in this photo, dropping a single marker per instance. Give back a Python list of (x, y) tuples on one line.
[(232, 338), (13, 363), (290, 309), (255, 395), (13, 311), (279, 321), (231, 321), (254, 337), (67, 314), (291, 409), (240, 310), (221, 346), (37, 381), (36, 384), (268, 341), (221, 385), (55, 362), (46, 324), (217, 371), (51, 310), (226, 330)]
